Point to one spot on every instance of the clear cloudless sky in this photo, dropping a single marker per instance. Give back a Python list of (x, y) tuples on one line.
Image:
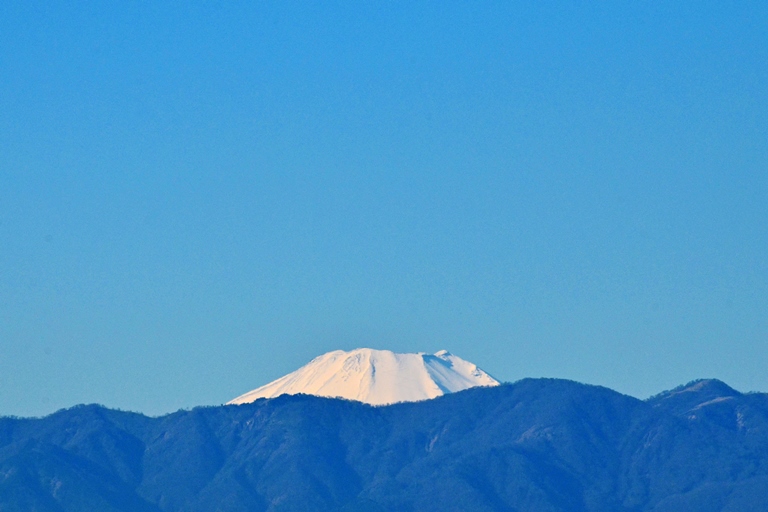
[(199, 197)]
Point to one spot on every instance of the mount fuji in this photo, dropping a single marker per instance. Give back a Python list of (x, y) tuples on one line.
[(376, 377)]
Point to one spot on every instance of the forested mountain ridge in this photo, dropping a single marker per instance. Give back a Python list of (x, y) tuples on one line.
[(535, 445)]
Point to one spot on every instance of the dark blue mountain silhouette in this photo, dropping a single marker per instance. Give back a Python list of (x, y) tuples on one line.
[(536, 445)]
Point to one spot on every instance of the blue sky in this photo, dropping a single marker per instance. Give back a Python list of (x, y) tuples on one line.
[(197, 199)]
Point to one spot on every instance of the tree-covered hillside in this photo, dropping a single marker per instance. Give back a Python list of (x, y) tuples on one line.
[(536, 445)]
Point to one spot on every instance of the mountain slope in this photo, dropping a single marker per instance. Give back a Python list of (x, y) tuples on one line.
[(536, 445), (376, 377)]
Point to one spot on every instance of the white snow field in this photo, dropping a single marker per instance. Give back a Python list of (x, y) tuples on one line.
[(376, 377)]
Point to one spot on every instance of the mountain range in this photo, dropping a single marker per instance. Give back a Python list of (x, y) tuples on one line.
[(532, 446)]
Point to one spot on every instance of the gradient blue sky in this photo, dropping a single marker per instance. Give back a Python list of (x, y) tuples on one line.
[(199, 198)]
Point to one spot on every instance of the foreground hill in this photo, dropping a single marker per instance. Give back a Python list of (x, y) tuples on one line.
[(536, 445)]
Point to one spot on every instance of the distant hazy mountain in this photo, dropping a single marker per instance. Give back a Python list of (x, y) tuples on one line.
[(377, 377), (533, 446)]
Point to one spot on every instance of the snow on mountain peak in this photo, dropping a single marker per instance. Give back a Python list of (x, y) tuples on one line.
[(376, 377)]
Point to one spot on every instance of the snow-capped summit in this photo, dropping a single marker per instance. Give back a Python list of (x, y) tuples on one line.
[(376, 377)]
